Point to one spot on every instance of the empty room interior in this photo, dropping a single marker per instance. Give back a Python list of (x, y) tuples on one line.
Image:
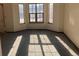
[(39, 29)]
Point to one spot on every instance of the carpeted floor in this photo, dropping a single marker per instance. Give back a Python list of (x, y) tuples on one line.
[(37, 43)]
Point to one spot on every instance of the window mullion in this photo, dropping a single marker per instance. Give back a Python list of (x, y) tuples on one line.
[(36, 12)]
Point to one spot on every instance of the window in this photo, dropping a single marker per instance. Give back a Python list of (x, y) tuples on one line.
[(50, 13), (21, 13), (36, 13)]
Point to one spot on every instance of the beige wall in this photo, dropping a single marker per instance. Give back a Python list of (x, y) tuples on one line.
[(71, 22), (1, 19), (8, 15), (12, 18), (58, 17)]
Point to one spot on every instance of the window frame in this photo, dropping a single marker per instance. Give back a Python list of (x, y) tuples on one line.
[(36, 13)]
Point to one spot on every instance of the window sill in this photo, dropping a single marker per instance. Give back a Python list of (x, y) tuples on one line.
[(50, 23), (36, 22), (21, 23)]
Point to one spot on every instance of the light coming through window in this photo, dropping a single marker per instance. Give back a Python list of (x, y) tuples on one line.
[(21, 13), (51, 13)]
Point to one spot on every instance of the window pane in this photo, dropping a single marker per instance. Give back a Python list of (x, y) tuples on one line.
[(39, 8), (51, 13), (32, 17), (39, 17), (21, 13), (31, 8)]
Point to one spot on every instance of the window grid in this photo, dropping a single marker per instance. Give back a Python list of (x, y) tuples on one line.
[(36, 13)]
